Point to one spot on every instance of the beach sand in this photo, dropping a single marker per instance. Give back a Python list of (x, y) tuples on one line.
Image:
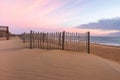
[(108, 52), (2, 38), (20, 63)]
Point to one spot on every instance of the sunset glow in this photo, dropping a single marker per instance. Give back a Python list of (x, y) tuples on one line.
[(55, 15)]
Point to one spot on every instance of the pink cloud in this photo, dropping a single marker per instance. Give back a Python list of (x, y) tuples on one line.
[(30, 13)]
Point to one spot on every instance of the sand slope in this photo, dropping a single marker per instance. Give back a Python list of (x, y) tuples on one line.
[(108, 52), (19, 63)]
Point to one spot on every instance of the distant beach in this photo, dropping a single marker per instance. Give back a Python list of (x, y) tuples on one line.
[(106, 47)]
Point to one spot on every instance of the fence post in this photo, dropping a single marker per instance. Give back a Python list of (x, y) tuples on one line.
[(24, 37), (7, 33), (47, 37), (63, 39), (59, 42), (88, 43), (31, 39), (38, 39)]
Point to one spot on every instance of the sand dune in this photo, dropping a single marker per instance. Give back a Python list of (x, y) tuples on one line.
[(20, 63)]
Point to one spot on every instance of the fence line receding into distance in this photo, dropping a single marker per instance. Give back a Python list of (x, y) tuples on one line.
[(58, 40)]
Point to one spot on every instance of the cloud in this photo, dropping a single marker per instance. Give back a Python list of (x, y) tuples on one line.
[(115, 34), (36, 12), (105, 24)]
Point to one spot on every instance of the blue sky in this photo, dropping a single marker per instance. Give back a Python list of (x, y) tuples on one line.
[(23, 15)]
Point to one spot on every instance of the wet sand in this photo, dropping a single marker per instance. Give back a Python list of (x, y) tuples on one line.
[(20, 63)]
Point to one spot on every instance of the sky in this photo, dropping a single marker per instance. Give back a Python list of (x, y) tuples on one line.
[(56, 15)]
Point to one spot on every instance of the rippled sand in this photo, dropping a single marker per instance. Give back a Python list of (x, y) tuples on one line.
[(19, 63)]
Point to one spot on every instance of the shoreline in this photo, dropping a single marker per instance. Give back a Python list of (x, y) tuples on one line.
[(92, 43)]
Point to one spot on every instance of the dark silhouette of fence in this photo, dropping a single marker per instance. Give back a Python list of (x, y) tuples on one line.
[(58, 40), (4, 32)]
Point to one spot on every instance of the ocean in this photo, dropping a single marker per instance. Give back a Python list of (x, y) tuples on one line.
[(112, 41)]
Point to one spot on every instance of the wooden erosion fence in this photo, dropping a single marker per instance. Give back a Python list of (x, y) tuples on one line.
[(4, 32), (58, 40)]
